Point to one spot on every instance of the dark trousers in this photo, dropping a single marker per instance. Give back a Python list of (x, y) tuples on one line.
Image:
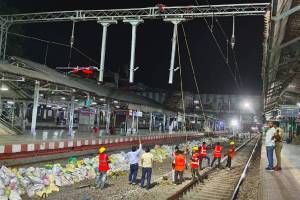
[(219, 161), (204, 157), (228, 162), (178, 177), (146, 172), (195, 173), (133, 172)]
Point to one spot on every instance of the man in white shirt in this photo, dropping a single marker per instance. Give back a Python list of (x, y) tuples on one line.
[(270, 144), (133, 160)]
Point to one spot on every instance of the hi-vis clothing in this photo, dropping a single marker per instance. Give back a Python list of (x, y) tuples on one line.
[(194, 163), (103, 162), (203, 152), (217, 152)]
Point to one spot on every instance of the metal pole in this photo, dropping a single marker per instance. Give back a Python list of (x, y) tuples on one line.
[(132, 122), (1, 38), (174, 42), (134, 24), (71, 116), (35, 105), (105, 25), (137, 124), (164, 123), (107, 119), (4, 43)]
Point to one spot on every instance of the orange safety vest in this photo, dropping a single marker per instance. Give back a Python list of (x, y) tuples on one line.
[(231, 152), (179, 162), (194, 163), (203, 150), (103, 162), (217, 153)]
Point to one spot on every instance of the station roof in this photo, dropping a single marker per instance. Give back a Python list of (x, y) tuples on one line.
[(35, 71), (281, 58)]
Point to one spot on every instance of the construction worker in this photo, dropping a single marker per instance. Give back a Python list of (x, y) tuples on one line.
[(217, 154), (103, 168), (133, 160), (194, 163), (230, 153), (203, 154), (179, 167), (173, 162)]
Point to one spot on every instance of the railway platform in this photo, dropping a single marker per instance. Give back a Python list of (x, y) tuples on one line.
[(284, 184)]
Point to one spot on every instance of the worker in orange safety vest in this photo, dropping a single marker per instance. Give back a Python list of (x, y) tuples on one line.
[(203, 154), (179, 167), (173, 162), (230, 153), (217, 154), (194, 163), (102, 168)]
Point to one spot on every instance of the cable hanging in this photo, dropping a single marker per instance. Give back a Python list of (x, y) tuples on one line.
[(71, 43), (193, 70)]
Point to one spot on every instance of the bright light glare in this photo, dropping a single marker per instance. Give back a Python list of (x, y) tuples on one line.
[(196, 101), (234, 123), (4, 88), (10, 102)]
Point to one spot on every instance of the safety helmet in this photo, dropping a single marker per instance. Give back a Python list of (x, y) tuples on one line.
[(195, 148), (231, 143), (102, 149)]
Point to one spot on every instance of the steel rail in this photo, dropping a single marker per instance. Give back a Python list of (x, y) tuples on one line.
[(243, 175), (140, 13), (193, 183)]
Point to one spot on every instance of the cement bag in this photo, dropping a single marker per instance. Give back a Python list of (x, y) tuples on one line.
[(33, 189), (35, 180), (2, 186), (14, 195), (57, 181), (25, 182), (3, 198), (8, 172), (1, 192)]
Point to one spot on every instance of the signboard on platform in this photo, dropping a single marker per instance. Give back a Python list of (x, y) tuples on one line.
[(289, 111)]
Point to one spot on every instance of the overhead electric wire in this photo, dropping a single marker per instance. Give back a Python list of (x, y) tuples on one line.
[(193, 70), (54, 43), (220, 49)]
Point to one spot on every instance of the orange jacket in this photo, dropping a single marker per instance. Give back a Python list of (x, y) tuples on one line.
[(103, 162), (202, 150), (231, 152), (179, 162), (218, 150), (194, 163)]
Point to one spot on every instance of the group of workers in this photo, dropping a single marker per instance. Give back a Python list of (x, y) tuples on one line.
[(179, 164)]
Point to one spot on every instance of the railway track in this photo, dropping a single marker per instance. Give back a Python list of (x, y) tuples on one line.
[(221, 184)]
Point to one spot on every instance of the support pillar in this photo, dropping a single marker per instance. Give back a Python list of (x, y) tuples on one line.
[(71, 116), (164, 123), (3, 39), (174, 43), (150, 123), (108, 119), (134, 24), (35, 106), (23, 116), (137, 124), (105, 25), (132, 123)]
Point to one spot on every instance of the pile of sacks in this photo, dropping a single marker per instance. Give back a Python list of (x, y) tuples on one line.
[(42, 181)]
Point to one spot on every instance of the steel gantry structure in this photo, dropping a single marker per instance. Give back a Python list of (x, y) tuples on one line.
[(133, 16)]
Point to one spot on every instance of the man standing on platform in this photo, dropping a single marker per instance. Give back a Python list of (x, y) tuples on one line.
[(278, 145), (146, 161), (269, 143)]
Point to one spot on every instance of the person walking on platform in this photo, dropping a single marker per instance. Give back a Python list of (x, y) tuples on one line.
[(103, 168), (133, 160), (217, 154), (179, 167), (203, 154), (230, 153), (269, 143), (278, 145), (194, 163), (146, 161)]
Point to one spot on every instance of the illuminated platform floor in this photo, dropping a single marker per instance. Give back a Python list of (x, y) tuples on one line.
[(285, 184), (61, 134)]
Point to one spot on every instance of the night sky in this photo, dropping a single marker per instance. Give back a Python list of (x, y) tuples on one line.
[(153, 48)]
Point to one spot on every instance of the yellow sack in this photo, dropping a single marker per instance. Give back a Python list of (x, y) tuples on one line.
[(79, 163), (70, 167)]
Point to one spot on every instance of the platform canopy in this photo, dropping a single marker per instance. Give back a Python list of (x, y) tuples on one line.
[(52, 80), (281, 57)]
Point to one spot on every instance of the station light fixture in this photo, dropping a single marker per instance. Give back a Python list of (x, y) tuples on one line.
[(196, 101), (10, 102), (76, 100), (234, 123), (197, 107), (3, 87), (118, 107), (102, 99), (298, 104), (63, 98), (115, 102), (94, 103)]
